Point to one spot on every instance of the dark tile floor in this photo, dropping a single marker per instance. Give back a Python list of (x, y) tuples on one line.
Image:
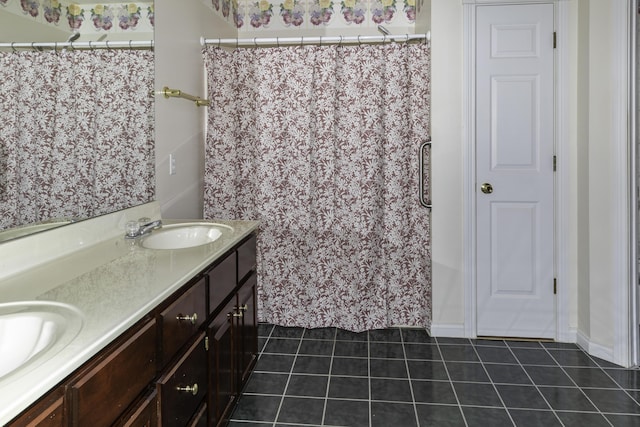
[(403, 377)]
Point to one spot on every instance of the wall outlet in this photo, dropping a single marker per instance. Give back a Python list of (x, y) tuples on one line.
[(172, 164)]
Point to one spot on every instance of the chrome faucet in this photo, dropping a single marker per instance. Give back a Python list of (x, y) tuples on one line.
[(135, 229)]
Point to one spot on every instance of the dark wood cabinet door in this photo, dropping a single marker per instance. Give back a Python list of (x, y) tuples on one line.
[(222, 365), (248, 329), (184, 386), (200, 419), (48, 412), (246, 258), (181, 320), (222, 282), (143, 414), (103, 392)]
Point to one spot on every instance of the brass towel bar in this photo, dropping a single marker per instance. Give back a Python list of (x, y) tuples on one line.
[(177, 93)]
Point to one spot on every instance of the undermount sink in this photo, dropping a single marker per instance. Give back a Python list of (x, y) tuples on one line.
[(29, 331), (184, 235)]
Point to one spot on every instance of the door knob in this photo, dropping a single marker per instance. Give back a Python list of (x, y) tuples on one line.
[(486, 188)]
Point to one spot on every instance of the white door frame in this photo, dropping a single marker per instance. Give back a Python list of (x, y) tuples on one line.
[(561, 136), (624, 277)]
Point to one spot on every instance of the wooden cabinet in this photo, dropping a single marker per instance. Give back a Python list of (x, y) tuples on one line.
[(222, 365), (184, 386), (247, 329), (48, 412), (108, 386), (182, 319), (183, 365), (143, 414)]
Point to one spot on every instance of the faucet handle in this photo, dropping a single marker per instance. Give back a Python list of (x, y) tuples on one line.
[(144, 220), (132, 228)]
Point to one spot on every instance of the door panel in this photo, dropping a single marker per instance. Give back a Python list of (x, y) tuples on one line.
[(514, 153)]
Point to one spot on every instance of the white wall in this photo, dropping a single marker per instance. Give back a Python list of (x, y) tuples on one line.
[(447, 130), (179, 123)]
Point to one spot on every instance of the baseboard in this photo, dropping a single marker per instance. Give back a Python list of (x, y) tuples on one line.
[(597, 350), (449, 330)]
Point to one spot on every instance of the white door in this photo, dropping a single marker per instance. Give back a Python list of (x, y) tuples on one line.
[(514, 161)]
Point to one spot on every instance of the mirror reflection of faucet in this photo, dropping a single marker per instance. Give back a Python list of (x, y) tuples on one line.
[(135, 229)]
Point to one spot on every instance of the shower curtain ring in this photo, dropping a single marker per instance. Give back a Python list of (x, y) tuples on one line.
[(340, 42), (13, 47), (407, 42), (255, 44), (301, 41), (32, 46), (278, 41), (55, 47), (90, 47), (130, 44), (359, 42)]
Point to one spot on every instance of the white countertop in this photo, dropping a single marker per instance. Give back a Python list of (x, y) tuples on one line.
[(114, 285)]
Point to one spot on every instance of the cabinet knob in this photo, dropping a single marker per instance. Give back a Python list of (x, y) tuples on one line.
[(189, 389), (193, 319)]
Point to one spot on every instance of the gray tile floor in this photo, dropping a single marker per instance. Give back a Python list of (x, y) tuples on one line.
[(402, 377)]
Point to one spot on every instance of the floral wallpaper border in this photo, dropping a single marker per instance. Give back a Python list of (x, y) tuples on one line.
[(255, 15), (86, 18)]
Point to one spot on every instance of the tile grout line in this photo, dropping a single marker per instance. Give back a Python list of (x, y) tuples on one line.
[(534, 384), (293, 364), (369, 378), (484, 368), (576, 384), (406, 365), (455, 393), (326, 394)]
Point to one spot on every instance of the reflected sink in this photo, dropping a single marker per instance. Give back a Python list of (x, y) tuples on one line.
[(184, 235), (31, 330)]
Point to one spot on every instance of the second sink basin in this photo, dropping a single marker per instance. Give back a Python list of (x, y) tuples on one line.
[(184, 235), (31, 330)]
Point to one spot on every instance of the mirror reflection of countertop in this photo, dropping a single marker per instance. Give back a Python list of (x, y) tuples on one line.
[(113, 283)]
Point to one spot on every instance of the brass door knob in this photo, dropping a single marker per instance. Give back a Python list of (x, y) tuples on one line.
[(486, 188)]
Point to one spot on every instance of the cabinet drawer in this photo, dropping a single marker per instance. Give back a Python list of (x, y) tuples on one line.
[(181, 320), (200, 419), (46, 413), (246, 258), (101, 394), (184, 386), (144, 414), (222, 282)]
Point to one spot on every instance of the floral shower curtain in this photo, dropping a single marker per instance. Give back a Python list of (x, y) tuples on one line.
[(77, 133), (320, 143)]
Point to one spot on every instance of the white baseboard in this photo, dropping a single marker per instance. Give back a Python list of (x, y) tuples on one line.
[(597, 350), (449, 330)]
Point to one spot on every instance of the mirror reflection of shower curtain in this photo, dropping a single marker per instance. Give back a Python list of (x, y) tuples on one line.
[(320, 143), (72, 141)]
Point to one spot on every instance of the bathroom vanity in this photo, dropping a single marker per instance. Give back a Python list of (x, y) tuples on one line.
[(169, 336)]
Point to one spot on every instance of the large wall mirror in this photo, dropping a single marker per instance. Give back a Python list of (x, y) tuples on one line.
[(76, 111)]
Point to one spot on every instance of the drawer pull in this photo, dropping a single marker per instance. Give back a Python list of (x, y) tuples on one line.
[(235, 314), (193, 389), (192, 319), (243, 307)]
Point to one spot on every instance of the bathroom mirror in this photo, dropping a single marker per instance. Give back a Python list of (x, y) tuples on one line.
[(56, 21)]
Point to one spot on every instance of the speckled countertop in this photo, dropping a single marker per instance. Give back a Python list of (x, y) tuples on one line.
[(113, 284)]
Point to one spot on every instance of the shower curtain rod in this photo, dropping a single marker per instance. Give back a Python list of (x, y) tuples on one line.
[(278, 41), (128, 44)]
